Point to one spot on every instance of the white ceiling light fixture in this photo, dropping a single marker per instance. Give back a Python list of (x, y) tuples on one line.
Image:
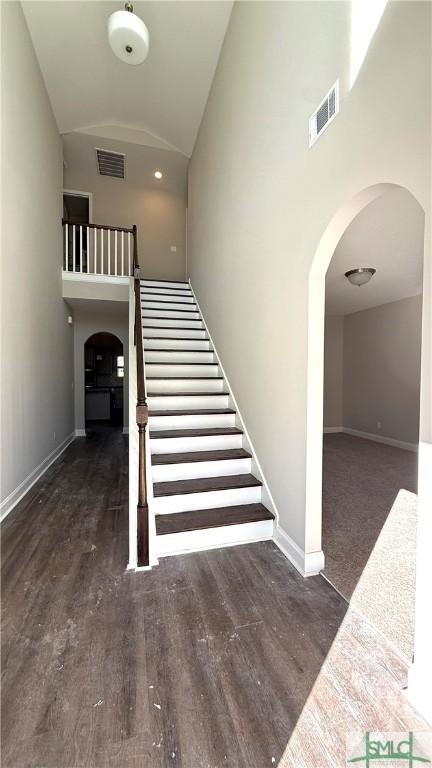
[(128, 36), (360, 276), (157, 174)]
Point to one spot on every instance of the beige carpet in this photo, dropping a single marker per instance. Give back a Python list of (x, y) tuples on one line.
[(369, 531)]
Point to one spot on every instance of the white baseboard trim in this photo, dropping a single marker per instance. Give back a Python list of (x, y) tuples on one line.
[(12, 500), (332, 430), (308, 564), (80, 433), (381, 439)]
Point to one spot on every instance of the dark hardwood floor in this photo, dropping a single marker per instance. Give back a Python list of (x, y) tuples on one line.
[(207, 660)]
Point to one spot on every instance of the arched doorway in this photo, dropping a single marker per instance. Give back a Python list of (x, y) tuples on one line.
[(344, 222), (103, 381)]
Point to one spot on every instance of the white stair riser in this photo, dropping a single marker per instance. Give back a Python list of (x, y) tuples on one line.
[(184, 385), (173, 333), (211, 538), (167, 371), (164, 284), (178, 298), (173, 322), (163, 306), (164, 505), (187, 444), (190, 470), (168, 314), (186, 402), (191, 345), (192, 422), (173, 356)]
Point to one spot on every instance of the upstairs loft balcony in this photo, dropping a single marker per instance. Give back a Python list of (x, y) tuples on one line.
[(97, 261)]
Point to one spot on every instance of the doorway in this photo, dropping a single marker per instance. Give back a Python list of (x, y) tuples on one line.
[(104, 377), (372, 355), (77, 209)]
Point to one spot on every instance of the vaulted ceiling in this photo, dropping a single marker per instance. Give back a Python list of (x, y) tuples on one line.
[(159, 103)]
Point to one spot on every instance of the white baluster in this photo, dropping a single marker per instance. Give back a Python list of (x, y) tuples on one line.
[(88, 249), (129, 253), (95, 251), (122, 250), (67, 246), (115, 252), (102, 252), (81, 251), (73, 249), (109, 251)]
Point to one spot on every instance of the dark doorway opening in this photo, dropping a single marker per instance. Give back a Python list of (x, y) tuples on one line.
[(76, 210), (104, 377)]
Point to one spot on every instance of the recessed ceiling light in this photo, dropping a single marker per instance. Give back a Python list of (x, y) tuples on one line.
[(157, 175)]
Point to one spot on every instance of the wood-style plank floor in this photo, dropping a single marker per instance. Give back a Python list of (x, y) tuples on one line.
[(205, 661)]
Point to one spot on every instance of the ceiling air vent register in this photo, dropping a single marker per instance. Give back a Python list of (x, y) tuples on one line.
[(325, 113), (110, 163)]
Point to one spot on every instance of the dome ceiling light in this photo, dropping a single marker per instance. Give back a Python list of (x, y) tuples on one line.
[(128, 36), (360, 276)]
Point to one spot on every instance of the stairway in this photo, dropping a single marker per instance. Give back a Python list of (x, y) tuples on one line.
[(204, 492)]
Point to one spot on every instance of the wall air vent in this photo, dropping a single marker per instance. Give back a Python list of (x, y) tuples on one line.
[(110, 163), (325, 113)]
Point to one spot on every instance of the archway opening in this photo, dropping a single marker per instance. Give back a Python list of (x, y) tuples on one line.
[(363, 501), (104, 378)]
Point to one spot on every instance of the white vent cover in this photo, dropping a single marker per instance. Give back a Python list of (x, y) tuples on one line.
[(110, 163), (325, 113)]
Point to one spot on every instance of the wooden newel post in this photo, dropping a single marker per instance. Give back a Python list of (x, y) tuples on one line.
[(142, 508), (136, 266)]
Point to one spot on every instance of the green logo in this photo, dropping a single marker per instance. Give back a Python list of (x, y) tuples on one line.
[(395, 747)]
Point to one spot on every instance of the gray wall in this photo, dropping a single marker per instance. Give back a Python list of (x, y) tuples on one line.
[(333, 371), (37, 343), (159, 215), (381, 370), (260, 199)]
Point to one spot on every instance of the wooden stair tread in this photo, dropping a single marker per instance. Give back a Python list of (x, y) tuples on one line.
[(204, 485), (160, 434), (161, 280), (192, 456), (175, 338), (200, 519), (196, 412), (173, 349), (171, 327), (175, 298), (164, 309), (183, 378), (190, 393)]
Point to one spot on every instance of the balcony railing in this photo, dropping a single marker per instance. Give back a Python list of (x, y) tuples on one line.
[(95, 249)]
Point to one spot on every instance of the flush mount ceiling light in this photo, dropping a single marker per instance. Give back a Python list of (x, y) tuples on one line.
[(360, 276), (157, 175), (128, 36)]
